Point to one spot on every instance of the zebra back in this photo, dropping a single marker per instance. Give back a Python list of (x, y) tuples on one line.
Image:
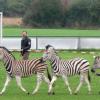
[(26, 68)]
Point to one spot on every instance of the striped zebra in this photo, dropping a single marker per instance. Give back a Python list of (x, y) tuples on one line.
[(96, 65), (65, 68), (22, 68)]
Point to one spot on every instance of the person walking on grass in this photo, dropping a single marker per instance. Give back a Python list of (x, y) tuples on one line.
[(25, 45)]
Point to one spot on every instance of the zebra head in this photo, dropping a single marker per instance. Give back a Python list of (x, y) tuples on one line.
[(96, 64), (48, 54), (48, 46)]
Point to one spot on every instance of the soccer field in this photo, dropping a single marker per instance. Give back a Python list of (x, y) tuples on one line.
[(50, 32), (61, 92)]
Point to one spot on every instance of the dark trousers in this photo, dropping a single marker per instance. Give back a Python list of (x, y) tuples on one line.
[(26, 55)]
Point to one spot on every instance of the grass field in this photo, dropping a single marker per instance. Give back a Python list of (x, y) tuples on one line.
[(50, 32), (14, 93)]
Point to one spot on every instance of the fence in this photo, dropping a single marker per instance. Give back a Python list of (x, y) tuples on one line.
[(57, 42)]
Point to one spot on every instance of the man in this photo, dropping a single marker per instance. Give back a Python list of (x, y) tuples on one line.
[(25, 45)]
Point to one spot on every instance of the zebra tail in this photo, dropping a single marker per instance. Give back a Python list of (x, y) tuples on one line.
[(49, 76), (89, 78)]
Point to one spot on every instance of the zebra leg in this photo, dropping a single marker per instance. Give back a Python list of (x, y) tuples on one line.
[(47, 81), (88, 83), (54, 78), (39, 80), (67, 83), (6, 84), (80, 84), (18, 80)]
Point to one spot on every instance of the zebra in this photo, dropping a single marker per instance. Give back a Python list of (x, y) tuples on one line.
[(22, 68), (65, 68), (96, 65)]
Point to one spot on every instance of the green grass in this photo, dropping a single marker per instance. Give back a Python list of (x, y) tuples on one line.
[(14, 93), (50, 32)]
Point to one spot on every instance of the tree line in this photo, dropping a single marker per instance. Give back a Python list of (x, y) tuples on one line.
[(54, 13)]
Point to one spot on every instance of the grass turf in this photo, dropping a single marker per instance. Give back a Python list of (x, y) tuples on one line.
[(14, 93), (50, 32)]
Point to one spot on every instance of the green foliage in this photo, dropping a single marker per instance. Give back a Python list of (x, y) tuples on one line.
[(84, 13), (14, 7), (54, 13), (3, 6), (44, 13), (50, 13)]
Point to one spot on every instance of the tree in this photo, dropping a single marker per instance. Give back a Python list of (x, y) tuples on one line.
[(14, 7), (44, 13), (84, 13), (3, 6)]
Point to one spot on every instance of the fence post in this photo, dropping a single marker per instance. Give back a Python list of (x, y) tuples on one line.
[(36, 43)]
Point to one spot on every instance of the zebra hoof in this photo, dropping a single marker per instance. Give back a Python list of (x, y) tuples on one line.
[(53, 93), (28, 93), (75, 93), (49, 93)]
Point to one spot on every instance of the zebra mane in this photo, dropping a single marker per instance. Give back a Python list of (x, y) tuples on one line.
[(48, 46), (7, 51)]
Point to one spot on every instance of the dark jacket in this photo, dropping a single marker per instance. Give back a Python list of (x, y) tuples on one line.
[(25, 44)]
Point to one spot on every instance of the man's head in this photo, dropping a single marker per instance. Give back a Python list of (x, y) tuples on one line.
[(24, 34)]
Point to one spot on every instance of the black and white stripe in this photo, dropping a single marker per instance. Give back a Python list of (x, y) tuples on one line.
[(96, 65), (66, 68), (22, 68), (69, 67)]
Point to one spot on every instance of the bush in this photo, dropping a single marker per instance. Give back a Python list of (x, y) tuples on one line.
[(54, 13), (45, 13), (84, 13)]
